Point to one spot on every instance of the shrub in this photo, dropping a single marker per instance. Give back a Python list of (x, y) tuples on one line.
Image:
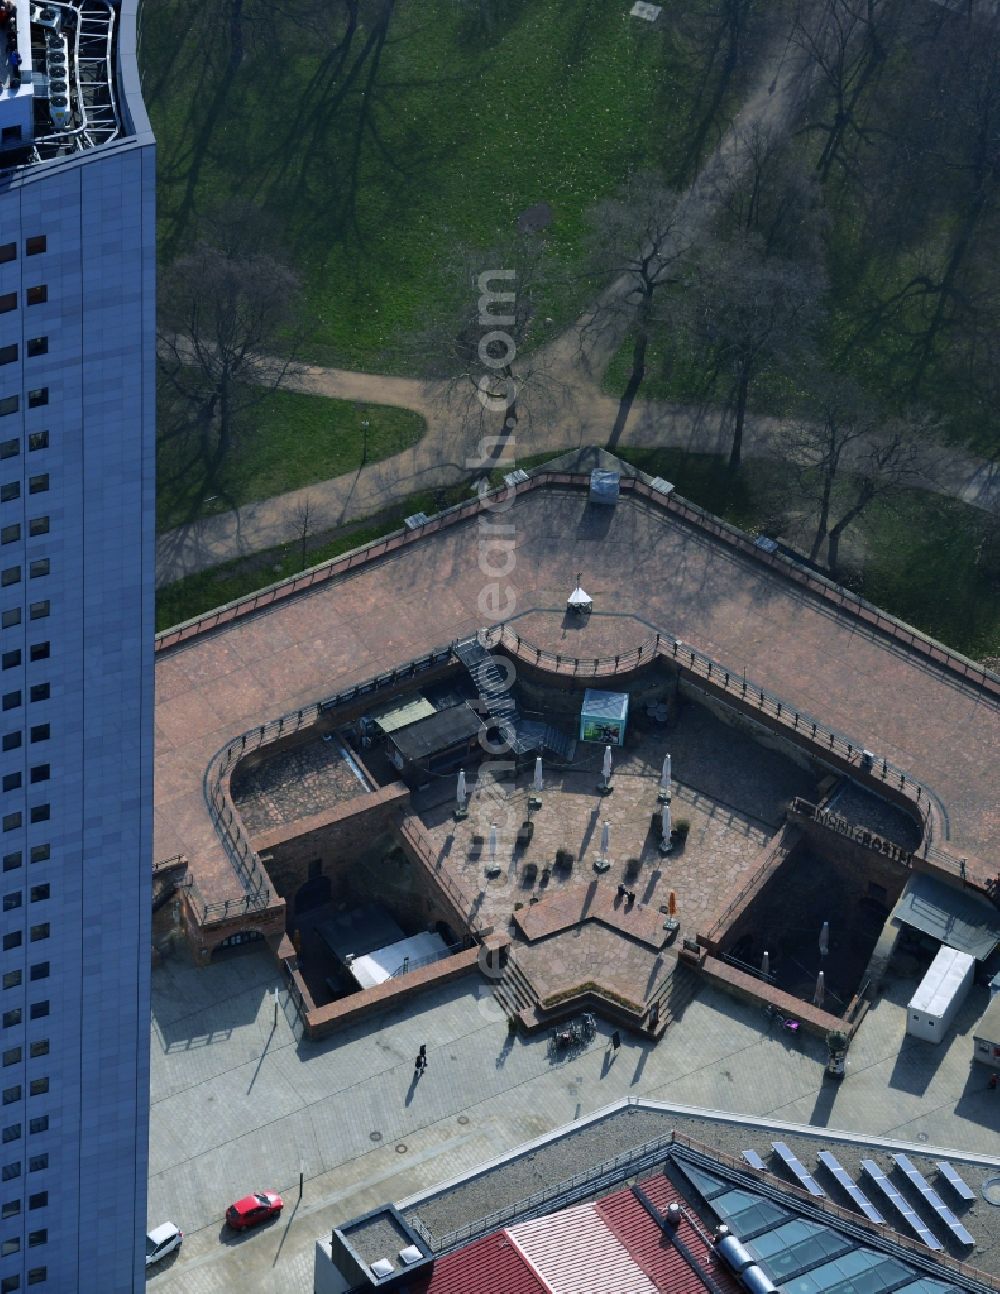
[(564, 858)]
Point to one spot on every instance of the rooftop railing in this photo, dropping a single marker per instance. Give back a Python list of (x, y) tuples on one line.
[(834, 595)]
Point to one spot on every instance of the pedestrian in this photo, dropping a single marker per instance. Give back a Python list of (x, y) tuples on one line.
[(417, 1069), (616, 1041)]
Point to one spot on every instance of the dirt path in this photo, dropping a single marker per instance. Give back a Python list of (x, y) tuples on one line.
[(578, 412)]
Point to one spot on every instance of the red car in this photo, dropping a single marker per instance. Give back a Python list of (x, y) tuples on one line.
[(254, 1209)]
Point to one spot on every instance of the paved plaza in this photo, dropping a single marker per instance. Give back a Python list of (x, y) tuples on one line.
[(731, 790), (241, 1103), (651, 569)]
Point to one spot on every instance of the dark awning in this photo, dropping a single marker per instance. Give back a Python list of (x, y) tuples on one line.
[(437, 733), (955, 917)]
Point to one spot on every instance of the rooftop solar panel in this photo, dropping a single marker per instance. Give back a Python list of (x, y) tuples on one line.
[(844, 1179), (791, 1162), (930, 1196), (911, 1218), (754, 1160), (964, 1192)]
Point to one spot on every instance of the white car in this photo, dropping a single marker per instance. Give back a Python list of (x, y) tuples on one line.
[(161, 1241)]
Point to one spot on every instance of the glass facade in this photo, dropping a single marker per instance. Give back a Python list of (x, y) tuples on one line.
[(77, 348)]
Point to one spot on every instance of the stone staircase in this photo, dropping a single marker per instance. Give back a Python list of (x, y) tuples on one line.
[(527, 735), (514, 993), (670, 999)]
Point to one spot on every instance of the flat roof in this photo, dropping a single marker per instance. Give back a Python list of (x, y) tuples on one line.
[(945, 975), (400, 714), (439, 732), (383, 963), (955, 917), (358, 931), (822, 659), (605, 705)]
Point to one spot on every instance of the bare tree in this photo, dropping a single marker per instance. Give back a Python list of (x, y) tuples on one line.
[(230, 325), (637, 242), (750, 309), (847, 454), (302, 516), (483, 347), (847, 42), (778, 196)]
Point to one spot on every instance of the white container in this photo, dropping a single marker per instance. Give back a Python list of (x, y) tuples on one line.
[(939, 995)]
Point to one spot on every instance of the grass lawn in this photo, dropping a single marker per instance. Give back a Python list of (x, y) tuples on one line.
[(296, 440), (427, 133), (674, 372)]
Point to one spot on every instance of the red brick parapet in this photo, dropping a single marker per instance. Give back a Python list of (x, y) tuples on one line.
[(358, 806), (750, 989), (600, 902), (322, 1020), (671, 503)]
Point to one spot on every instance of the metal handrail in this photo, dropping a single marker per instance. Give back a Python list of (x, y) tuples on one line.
[(702, 667), (935, 652), (414, 837), (860, 835)]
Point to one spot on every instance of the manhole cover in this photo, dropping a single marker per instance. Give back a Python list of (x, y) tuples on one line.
[(922, 1136), (463, 1118), (374, 1136), (401, 1148), (991, 1191)]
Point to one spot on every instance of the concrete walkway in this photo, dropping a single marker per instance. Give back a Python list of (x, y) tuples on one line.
[(448, 452), (241, 1104), (572, 409)]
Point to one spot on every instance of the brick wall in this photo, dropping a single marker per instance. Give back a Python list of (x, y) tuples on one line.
[(324, 1020), (339, 839), (748, 989)]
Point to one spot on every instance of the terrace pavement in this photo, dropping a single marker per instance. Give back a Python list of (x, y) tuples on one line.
[(731, 790), (239, 1103), (636, 562)]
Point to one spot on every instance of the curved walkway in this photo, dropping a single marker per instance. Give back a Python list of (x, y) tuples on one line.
[(577, 411), (444, 456)]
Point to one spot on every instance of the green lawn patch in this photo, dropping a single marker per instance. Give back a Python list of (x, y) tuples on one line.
[(382, 159), (677, 373), (294, 440)]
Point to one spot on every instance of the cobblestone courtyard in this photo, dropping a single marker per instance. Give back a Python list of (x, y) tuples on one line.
[(732, 791)]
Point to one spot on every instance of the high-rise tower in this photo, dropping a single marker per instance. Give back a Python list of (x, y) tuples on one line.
[(77, 353)]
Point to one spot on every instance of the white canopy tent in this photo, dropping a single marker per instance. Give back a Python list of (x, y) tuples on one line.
[(382, 964)]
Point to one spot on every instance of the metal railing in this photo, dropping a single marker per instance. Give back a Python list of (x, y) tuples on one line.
[(416, 838), (852, 831), (759, 877), (697, 665), (226, 818), (935, 652), (912, 639), (583, 1183), (390, 678), (409, 964)]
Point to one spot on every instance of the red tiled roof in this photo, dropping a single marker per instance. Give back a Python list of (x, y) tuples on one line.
[(651, 1251), (612, 1246), (492, 1265), (575, 1252)]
